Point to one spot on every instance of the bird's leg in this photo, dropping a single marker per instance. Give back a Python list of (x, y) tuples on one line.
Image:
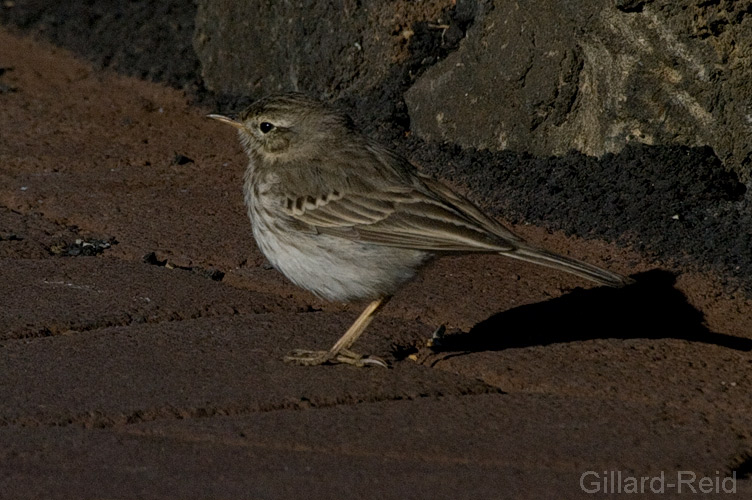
[(340, 352)]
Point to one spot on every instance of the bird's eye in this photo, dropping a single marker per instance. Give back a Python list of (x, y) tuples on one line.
[(265, 127)]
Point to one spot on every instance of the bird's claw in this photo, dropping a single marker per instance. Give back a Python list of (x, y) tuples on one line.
[(305, 357)]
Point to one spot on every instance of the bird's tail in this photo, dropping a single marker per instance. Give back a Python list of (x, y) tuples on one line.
[(573, 266)]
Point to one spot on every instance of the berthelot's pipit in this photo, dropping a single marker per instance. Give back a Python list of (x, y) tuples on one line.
[(348, 219)]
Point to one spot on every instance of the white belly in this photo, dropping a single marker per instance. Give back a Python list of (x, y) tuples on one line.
[(337, 268)]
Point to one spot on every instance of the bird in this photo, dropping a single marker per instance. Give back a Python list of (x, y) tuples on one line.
[(348, 219)]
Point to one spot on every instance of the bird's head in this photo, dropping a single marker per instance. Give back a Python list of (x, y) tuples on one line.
[(289, 126)]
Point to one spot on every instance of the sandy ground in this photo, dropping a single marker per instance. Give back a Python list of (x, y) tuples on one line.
[(153, 368)]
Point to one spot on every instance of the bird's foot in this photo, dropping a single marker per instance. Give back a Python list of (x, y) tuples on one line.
[(305, 357), (438, 335)]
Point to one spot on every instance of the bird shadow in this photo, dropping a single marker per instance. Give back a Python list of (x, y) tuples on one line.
[(651, 308)]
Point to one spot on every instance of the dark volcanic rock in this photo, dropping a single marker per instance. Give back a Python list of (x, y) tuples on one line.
[(547, 77), (258, 47)]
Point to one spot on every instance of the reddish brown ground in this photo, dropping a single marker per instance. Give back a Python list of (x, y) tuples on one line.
[(124, 379)]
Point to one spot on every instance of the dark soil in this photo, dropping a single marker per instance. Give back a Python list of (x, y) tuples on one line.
[(675, 204)]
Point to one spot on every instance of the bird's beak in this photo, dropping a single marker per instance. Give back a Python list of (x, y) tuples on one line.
[(227, 120)]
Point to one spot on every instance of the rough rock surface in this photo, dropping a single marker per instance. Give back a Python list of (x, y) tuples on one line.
[(258, 46), (547, 77)]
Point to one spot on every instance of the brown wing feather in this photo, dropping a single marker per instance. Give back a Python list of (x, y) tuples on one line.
[(418, 221), (389, 203)]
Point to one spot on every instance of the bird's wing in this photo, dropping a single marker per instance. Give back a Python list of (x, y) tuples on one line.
[(409, 212)]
